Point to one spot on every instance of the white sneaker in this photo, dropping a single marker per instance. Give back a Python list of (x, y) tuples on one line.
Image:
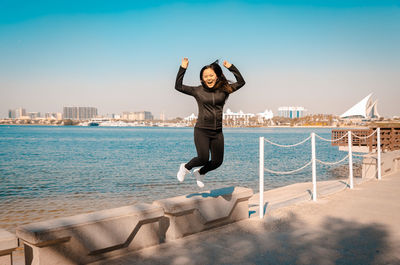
[(183, 171), (199, 178)]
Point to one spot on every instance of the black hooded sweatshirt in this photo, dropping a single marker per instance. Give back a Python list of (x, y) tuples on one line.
[(209, 100)]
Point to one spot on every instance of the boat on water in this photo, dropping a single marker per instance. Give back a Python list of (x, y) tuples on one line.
[(97, 122)]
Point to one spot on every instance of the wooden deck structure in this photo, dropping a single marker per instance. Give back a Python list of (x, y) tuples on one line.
[(390, 137)]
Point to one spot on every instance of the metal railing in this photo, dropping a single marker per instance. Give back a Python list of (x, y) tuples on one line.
[(347, 137)]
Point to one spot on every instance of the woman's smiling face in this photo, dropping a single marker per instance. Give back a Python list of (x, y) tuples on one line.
[(209, 77)]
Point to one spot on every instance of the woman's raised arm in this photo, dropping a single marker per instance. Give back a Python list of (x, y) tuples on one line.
[(239, 78), (188, 90)]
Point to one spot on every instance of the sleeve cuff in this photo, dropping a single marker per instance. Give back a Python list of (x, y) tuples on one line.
[(232, 67)]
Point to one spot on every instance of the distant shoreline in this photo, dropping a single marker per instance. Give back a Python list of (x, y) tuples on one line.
[(240, 127)]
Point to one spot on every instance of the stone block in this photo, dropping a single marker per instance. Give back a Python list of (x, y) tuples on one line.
[(390, 163), (86, 238), (369, 169), (192, 213), (8, 243)]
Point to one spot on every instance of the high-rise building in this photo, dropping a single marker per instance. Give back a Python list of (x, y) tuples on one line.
[(70, 113), (11, 114), (86, 113), (291, 112), (162, 116), (79, 113), (144, 115), (33, 115), (16, 113), (137, 116)]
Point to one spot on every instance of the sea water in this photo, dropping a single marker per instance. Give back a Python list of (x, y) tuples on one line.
[(63, 170)]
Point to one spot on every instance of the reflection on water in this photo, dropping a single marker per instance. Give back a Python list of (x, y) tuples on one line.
[(61, 171)]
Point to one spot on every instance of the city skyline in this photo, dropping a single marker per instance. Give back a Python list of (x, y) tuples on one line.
[(366, 107), (323, 55), (73, 111)]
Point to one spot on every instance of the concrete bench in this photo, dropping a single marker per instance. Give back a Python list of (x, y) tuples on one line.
[(8, 243), (188, 214), (85, 238), (390, 163)]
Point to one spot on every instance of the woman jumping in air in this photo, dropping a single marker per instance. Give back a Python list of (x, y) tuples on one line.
[(211, 96)]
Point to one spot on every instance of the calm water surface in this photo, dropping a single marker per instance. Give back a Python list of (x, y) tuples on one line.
[(65, 170)]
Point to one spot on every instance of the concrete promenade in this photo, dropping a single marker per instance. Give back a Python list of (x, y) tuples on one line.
[(359, 226)]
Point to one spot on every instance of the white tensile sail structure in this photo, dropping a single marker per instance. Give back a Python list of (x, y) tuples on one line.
[(372, 112), (364, 109)]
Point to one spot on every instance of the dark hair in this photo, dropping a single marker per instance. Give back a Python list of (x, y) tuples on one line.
[(222, 83)]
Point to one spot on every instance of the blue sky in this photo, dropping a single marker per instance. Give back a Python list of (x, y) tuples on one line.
[(118, 56)]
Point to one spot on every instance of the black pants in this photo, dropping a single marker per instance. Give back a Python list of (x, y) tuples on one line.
[(207, 140)]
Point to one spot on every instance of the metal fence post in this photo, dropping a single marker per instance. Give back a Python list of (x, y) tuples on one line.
[(378, 135), (314, 168), (350, 160), (261, 210)]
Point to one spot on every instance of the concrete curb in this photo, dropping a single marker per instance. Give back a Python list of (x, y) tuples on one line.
[(295, 193)]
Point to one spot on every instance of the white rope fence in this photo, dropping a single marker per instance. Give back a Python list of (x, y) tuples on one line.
[(369, 154), (288, 172), (329, 140), (332, 163), (314, 160), (364, 137), (291, 145)]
